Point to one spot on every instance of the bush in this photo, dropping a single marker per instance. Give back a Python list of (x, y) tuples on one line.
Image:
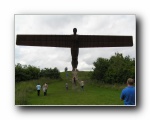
[(117, 69)]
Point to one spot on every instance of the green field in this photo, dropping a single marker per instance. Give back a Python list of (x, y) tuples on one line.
[(93, 94)]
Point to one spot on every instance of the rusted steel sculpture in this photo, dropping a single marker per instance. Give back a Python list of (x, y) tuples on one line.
[(74, 42)]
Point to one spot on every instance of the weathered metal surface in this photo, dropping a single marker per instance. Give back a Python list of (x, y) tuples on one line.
[(104, 41), (80, 41)]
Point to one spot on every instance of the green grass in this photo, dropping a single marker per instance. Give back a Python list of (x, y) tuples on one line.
[(93, 94)]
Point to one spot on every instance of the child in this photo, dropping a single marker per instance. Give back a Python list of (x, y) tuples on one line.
[(66, 86), (38, 87), (82, 85)]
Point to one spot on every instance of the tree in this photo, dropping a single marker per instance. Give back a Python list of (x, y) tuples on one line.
[(24, 72), (101, 66), (51, 73), (19, 73), (116, 64), (32, 72), (117, 69)]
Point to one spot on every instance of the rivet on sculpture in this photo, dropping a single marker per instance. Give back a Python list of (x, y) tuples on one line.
[(75, 42)]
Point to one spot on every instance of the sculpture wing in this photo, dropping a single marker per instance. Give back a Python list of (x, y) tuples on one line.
[(80, 41), (104, 41), (45, 40)]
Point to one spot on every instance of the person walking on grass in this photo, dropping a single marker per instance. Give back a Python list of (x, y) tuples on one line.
[(38, 87), (82, 85), (128, 93), (66, 86), (45, 87)]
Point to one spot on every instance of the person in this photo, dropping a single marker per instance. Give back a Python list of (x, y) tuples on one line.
[(66, 86), (45, 87), (66, 70), (128, 93), (82, 85), (38, 87)]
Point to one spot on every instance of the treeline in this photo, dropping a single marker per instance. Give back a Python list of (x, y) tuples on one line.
[(28, 72), (117, 69)]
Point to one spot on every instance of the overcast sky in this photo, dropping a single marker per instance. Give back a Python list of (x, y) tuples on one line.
[(50, 57)]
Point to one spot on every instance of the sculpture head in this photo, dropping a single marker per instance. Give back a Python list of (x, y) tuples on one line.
[(74, 31)]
